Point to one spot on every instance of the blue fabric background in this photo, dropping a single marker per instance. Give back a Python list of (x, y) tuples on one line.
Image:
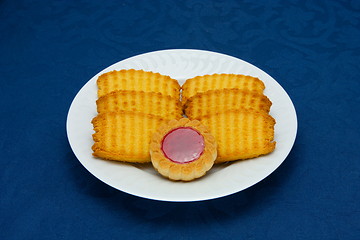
[(50, 49)]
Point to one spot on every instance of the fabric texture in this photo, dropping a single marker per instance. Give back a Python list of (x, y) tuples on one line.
[(50, 49)]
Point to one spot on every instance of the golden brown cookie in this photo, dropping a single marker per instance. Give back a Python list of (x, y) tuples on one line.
[(183, 150), (137, 80), (220, 81), (241, 134), (139, 101), (124, 136), (214, 101)]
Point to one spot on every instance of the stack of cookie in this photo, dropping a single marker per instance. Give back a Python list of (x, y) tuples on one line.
[(227, 119), (235, 109), (131, 105)]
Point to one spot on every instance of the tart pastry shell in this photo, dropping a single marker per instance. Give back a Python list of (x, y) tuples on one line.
[(183, 171)]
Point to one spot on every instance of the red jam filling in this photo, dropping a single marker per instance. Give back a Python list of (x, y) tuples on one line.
[(183, 145)]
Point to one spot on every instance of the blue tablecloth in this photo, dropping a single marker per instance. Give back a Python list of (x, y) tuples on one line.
[(50, 49)]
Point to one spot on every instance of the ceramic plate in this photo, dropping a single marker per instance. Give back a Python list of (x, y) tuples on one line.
[(141, 179)]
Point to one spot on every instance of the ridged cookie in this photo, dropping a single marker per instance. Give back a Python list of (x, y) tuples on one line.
[(138, 80), (216, 81), (214, 101), (241, 134), (138, 101), (124, 136)]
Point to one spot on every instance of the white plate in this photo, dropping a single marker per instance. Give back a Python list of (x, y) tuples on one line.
[(141, 179)]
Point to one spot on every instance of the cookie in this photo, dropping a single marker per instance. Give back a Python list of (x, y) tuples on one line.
[(241, 134), (216, 81), (183, 150), (139, 101), (137, 80), (124, 136), (214, 101)]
